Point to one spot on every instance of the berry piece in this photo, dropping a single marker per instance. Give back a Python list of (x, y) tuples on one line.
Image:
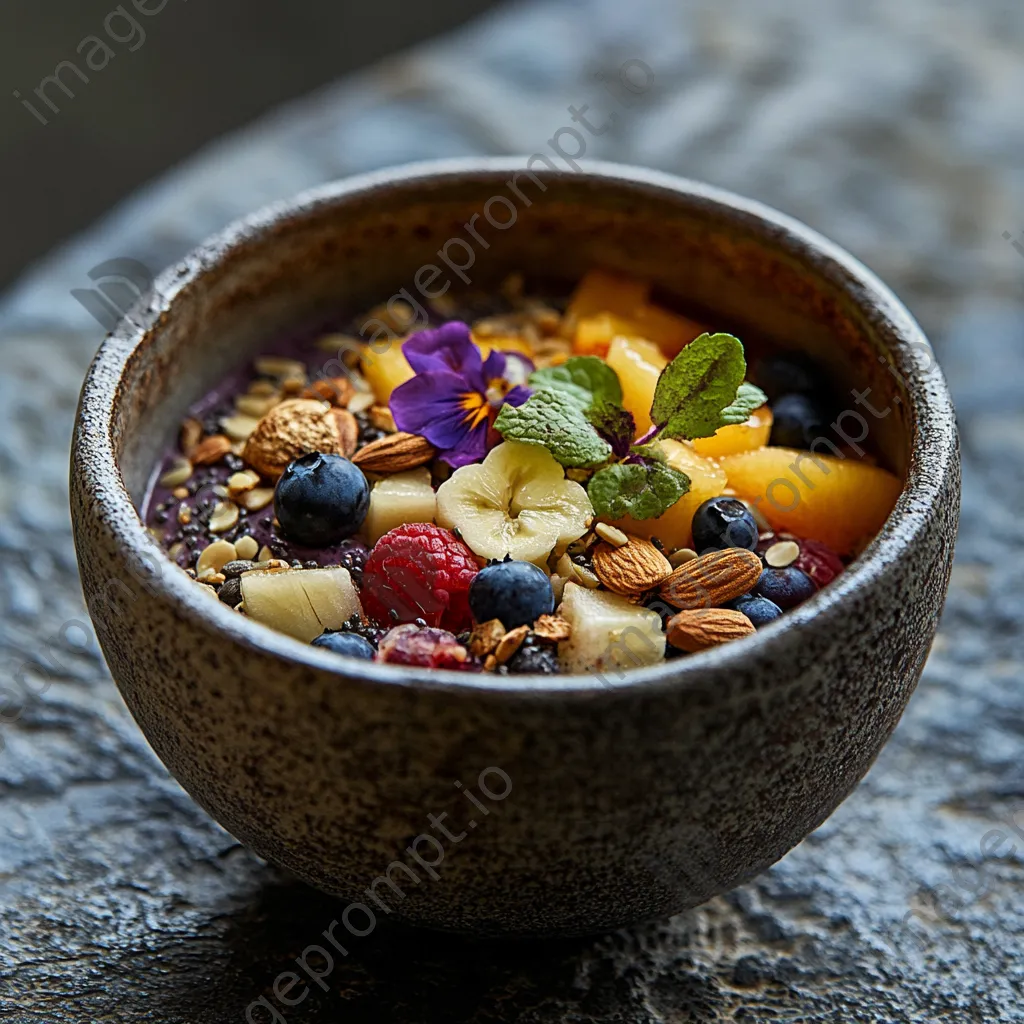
[(819, 561), (419, 571), (534, 659), (723, 523), (759, 610), (350, 644), (321, 499), (783, 375), (423, 646), (785, 587), (517, 593), (798, 423)]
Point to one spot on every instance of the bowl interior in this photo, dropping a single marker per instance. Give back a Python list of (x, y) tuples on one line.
[(730, 264)]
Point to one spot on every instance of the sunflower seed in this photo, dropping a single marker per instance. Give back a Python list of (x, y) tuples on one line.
[(224, 517), (179, 472), (780, 555)]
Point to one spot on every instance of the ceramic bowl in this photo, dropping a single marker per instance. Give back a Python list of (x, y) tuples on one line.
[(515, 805)]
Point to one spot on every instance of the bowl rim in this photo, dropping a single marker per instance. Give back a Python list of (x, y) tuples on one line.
[(934, 442)]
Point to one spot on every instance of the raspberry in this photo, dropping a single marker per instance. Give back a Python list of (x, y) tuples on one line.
[(424, 646), (419, 572)]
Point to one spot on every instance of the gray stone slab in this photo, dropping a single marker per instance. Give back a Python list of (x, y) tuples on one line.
[(895, 129)]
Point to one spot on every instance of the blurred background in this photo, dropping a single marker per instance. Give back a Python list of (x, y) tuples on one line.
[(171, 81)]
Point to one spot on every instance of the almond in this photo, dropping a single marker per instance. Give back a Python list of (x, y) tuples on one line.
[(701, 628), (293, 428), (394, 453), (210, 450), (634, 567), (712, 579)]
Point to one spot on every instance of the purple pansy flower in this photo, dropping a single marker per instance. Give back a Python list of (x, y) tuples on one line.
[(456, 393)]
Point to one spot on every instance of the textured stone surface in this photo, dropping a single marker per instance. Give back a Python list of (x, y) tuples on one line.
[(895, 129)]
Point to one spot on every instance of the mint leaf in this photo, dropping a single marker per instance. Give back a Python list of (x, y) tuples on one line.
[(554, 421), (615, 425), (697, 385), (652, 452), (586, 379), (640, 490), (748, 398)]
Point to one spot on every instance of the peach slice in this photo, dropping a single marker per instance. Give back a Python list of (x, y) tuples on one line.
[(840, 502), (639, 364), (674, 528), (601, 291), (740, 437)]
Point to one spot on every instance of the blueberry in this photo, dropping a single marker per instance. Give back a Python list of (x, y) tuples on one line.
[(785, 587), (782, 375), (517, 593), (759, 610), (535, 659), (723, 523), (321, 499), (798, 422), (350, 644)]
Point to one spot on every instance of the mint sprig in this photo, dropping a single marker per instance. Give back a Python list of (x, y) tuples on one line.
[(748, 398), (554, 420), (588, 380), (643, 490)]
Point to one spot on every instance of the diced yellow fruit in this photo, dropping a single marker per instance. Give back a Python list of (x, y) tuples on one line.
[(595, 333), (741, 437), (674, 528), (639, 364), (601, 291), (384, 370), (669, 331), (398, 499), (837, 501)]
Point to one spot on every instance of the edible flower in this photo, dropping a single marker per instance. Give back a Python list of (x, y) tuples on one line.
[(456, 394)]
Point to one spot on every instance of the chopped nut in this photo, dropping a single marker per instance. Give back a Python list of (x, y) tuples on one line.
[(348, 431), (553, 628), (612, 534), (490, 663), (210, 450), (280, 367), (583, 576), (263, 389), (181, 493), (190, 435), (336, 390), (485, 636), (361, 401), (224, 517), (294, 385), (175, 550), (211, 576), (681, 556), (184, 515), (265, 554), (246, 547), (242, 481), (396, 314), (256, 406), (780, 555), (510, 643), (239, 427), (179, 472), (215, 556), (256, 499), (381, 418)]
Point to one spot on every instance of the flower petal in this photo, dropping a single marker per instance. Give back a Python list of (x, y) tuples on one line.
[(518, 396), (448, 347)]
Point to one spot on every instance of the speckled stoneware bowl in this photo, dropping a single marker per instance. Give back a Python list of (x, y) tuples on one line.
[(604, 802)]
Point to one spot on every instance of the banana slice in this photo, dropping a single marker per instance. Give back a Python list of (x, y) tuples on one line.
[(609, 633), (516, 502)]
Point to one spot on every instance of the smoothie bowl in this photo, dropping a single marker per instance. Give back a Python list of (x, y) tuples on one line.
[(517, 552)]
